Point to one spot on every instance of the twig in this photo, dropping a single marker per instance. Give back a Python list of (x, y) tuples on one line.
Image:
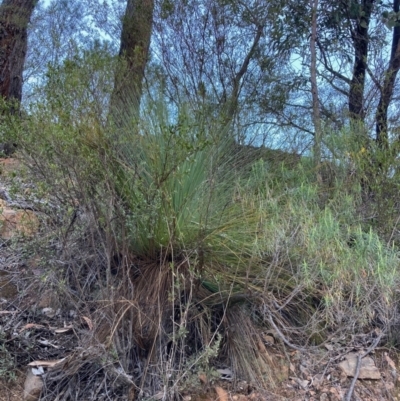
[(358, 368), (282, 336), (353, 383), (394, 228)]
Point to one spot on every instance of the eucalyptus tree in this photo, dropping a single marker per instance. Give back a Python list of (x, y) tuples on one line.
[(314, 89), (14, 19), (137, 25), (219, 55), (352, 45), (59, 30), (389, 78), (357, 63)]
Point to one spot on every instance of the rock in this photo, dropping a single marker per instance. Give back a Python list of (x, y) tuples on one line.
[(33, 386), (15, 221), (49, 312), (7, 148), (4, 195), (368, 369)]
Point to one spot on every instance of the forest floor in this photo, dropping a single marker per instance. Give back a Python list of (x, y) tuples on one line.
[(36, 329)]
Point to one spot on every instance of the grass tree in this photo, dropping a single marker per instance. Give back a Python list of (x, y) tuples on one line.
[(184, 248)]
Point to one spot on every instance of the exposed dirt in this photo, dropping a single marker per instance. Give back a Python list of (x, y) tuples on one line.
[(50, 335), (14, 390), (9, 166), (332, 386)]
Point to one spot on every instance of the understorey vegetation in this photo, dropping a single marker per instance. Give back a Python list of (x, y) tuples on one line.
[(184, 248)]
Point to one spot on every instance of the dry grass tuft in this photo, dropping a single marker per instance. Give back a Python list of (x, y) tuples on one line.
[(246, 349)]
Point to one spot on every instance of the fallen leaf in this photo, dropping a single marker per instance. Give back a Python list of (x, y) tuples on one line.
[(88, 322), (222, 394), (48, 343), (336, 394), (268, 339), (203, 378), (131, 394), (46, 364), (63, 330), (292, 368), (302, 383), (305, 371), (390, 361), (32, 326)]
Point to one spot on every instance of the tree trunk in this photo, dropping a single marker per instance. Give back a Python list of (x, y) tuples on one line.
[(133, 56), (314, 91), (14, 19), (388, 86), (232, 102), (360, 39)]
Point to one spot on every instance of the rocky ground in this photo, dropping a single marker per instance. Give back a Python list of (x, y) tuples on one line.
[(39, 336)]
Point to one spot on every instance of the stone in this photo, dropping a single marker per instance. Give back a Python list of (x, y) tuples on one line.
[(368, 369), (33, 386), (17, 222)]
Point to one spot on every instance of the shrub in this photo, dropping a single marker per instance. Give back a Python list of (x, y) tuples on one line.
[(188, 247)]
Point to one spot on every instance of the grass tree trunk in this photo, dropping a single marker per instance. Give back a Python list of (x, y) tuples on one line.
[(14, 19), (133, 56), (314, 92)]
